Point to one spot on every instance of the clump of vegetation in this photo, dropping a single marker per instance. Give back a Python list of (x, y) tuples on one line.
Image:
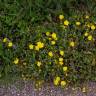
[(47, 45)]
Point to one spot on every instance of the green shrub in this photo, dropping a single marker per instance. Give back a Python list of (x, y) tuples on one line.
[(32, 35)]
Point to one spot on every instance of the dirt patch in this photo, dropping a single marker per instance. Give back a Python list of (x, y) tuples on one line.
[(21, 88)]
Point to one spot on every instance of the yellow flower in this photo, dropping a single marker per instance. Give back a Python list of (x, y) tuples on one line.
[(53, 42), (61, 53), (40, 44), (66, 22), (88, 25), (16, 61), (58, 78), (50, 54), (78, 23), (93, 27), (86, 34), (63, 83), (38, 63), (87, 17), (65, 68), (60, 59), (54, 35), (61, 17), (90, 37), (56, 81), (5, 40), (83, 89), (10, 44), (47, 33), (61, 62), (31, 46), (37, 48), (72, 44), (50, 38)]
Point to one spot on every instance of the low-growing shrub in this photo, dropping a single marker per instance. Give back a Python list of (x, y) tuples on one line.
[(57, 46)]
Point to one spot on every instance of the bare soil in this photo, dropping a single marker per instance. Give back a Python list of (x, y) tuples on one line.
[(22, 88)]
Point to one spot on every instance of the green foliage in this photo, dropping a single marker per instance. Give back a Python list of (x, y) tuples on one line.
[(27, 21)]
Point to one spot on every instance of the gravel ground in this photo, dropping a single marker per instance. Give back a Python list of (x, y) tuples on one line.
[(21, 88)]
